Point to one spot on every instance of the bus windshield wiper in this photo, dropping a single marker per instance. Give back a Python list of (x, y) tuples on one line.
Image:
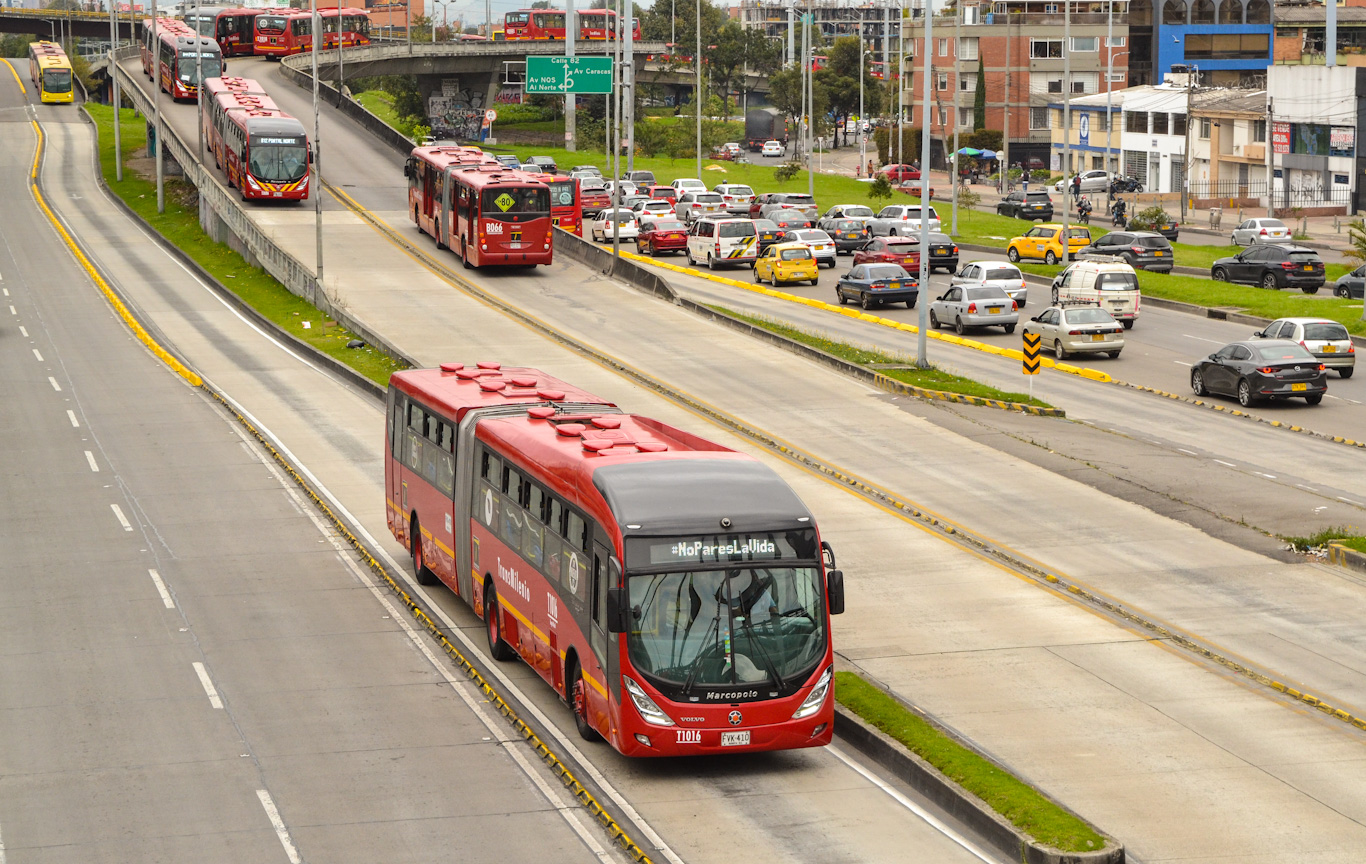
[(763, 652), (701, 655)]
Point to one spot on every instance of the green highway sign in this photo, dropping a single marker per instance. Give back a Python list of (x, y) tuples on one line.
[(569, 75)]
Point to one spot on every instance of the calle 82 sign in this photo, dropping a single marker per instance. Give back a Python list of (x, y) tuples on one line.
[(569, 75)]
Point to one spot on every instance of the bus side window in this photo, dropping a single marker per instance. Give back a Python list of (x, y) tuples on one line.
[(462, 201), (396, 424), (578, 532)]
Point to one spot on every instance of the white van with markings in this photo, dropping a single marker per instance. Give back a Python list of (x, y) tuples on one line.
[(1113, 286), (722, 242)]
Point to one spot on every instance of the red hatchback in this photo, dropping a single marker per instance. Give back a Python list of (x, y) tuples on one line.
[(897, 173), (891, 250), (667, 193), (661, 235)]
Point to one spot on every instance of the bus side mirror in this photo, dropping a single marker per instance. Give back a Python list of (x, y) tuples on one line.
[(834, 590), (618, 608), (407, 169)]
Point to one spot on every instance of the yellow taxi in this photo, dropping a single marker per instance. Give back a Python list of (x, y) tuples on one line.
[(1045, 241), (786, 262)]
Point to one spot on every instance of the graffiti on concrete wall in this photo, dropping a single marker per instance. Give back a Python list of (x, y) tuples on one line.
[(456, 112)]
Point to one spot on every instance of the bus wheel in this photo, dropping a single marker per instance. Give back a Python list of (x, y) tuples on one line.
[(493, 625), (420, 570), (578, 702), (440, 237), (464, 255)]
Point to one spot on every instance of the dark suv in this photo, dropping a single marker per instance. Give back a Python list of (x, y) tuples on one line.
[(1141, 250), (1272, 265), (1026, 205)]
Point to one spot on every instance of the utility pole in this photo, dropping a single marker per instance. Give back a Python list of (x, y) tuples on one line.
[(810, 107), (408, 25), (199, 75), (900, 92), (1003, 168), (113, 74), (571, 36), (615, 135), (791, 29), (1066, 128), (156, 104), (1109, 91), (957, 89), (1192, 73), (697, 83), (317, 190), (923, 325), (628, 82)]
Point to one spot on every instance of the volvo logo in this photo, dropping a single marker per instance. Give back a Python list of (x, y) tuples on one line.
[(735, 718)]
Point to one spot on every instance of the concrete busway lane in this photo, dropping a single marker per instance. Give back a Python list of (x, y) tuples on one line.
[(1046, 731), (308, 718), (783, 795)]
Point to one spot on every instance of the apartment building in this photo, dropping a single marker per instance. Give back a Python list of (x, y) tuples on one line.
[(1019, 46), (879, 23), (1229, 41)]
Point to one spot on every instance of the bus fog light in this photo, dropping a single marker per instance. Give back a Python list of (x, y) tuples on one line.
[(816, 698), (643, 740), (817, 731), (649, 711)]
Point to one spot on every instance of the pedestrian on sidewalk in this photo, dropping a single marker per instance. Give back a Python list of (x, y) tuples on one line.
[(871, 168)]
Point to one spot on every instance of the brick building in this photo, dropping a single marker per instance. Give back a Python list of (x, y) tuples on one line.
[(1018, 45), (1301, 33)]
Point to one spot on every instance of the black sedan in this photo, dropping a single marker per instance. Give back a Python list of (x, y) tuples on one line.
[(848, 234), (875, 284), (943, 252), (1352, 286), (1265, 369), (767, 232), (1272, 265)]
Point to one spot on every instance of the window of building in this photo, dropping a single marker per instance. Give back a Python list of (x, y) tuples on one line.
[(1038, 118), (1050, 8), (1179, 124), (1259, 131), (965, 118), (1136, 165), (1055, 85), (967, 82), (972, 15), (1085, 82), (1159, 123), (1100, 121), (1136, 121), (1115, 41), (1044, 49), (943, 116), (1117, 77), (943, 47), (910, 47), (941, 81), (967, 46), (1204, 128), (1085, 44), (1227, 46)]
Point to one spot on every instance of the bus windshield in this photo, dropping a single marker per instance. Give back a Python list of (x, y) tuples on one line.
[(189, 66), (271, 23), (515, 201), (279, 162), (726, 627), (57, 80)]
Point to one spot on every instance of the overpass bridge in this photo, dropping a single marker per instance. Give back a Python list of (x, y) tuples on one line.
[(59, 23)]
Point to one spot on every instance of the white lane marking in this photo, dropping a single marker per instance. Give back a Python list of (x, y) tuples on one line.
[(1307, 488), (90, 457), (1187, 452), (1339, 398), (280, 831), (1181, 363), (53, 382), (911, 805), (1222, 462), (38, 355), (2, 850), (161, 589), (123, 520), (75, 424), (1353, 401), (505, 683), (208, 685), (1203, 339), (1267, 476), (13, 311), (1350, 501), (23, 331)]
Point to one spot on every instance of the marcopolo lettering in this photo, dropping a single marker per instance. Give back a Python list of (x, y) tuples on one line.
[(733, 694)]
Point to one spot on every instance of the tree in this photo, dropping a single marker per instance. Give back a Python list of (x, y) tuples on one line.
[(979, 99), (1356, 235), (737, 49), (840, 78), (678, 18), (880, 188), (541, 4), (786, 95)]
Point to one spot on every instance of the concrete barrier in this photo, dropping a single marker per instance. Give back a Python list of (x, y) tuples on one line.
[(348, 106), (602, 260)]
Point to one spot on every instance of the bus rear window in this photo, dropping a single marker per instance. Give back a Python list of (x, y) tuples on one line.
[(515, 201), (516, 18), (270, 23)]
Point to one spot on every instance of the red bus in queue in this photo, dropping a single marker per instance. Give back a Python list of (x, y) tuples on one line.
[(147, 47), (486, 213), (675, 593), (235, 30), (263, 151), (549, 24), (182, 56), (282, 34), (566, 203)]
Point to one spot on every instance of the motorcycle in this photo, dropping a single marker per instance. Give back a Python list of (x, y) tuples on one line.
[(1084, 212)]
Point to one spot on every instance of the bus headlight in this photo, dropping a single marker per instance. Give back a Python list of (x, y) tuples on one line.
[(649, 711), (816, 698)]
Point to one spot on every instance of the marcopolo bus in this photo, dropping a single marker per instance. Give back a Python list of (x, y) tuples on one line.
[(675, 593), (181, 56), (51, 71), (263, 151), (280, 34)]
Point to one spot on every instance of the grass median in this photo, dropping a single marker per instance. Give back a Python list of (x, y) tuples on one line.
[(894, 366), (1019, 803), (179, 225), (1348, 535)]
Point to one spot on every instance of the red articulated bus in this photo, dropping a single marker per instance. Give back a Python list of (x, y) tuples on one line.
[(549, 24), (231, 26), (566, 203), (469, 203), (147, 49), (182, 54), (280, 35), (675, 593), (263, 151)]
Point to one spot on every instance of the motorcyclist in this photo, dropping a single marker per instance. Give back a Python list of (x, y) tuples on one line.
[(1120, 221), (1084, 211)]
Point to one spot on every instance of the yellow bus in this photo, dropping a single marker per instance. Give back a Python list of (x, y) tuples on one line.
[(50, 71)]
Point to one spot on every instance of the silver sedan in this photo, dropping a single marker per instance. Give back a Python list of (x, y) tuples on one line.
[(1000, 274), (1069, 330), (964, 307)]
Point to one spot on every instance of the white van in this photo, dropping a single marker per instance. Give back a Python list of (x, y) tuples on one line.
[(1113, 286), (722, 242)]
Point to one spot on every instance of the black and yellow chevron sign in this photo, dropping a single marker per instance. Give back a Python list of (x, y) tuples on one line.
[(1031, 353)]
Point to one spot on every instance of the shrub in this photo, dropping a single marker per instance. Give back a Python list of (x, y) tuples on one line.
[(786, 171), (880, 188), (1149, 218)]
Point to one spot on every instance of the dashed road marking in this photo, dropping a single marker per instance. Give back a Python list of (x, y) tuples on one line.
[(208, 685), (161, 589), (1306, 488), (1204, 339), (123, 520), (1350, 501), (71, 415), (90, 457), (23, 331), (280, 830), (1187, 452), (53, 382), (13, 311), (1222, 462), (38, 355), (1181, 363)]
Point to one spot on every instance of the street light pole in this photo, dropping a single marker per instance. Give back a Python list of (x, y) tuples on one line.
[(315, 23), (118, 98), (199, 76), (957, 121), (697, 84), (571, 37), (923, 325), (1066, 127), (628, 82), (156, 104)]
